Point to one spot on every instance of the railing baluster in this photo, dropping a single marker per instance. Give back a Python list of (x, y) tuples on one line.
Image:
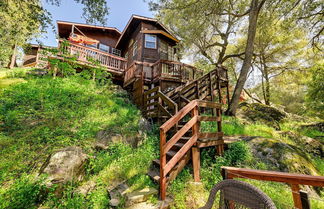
[(162, 164)]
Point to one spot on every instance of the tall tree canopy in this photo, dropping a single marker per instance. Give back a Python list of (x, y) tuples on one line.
[(242, 34)]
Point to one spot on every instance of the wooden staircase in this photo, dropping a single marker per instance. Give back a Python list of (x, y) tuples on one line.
[(204, 88), (180, 134), (178, 147)]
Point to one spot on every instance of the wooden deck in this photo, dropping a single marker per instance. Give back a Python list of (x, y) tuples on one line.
[(114, 64)]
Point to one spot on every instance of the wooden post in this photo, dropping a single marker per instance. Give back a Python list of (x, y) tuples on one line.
[(304, 199), (219, 91), (228, 93), (195, 150), (196, 163), (219, 148), (197, 89), (296, 196), (162, 165)]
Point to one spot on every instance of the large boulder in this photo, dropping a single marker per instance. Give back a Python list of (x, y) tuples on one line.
[(282, 156), (319, 126), (256, 112), (65, 165), (106, 137), (310, 145)]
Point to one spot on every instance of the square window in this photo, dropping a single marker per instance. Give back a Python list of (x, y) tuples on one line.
[(150, 41), (104, 47)]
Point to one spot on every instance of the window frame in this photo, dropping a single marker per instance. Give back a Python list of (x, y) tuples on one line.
[(148, 41), (135, 47)]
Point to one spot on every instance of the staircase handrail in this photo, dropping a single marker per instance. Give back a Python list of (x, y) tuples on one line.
[(165, 146)]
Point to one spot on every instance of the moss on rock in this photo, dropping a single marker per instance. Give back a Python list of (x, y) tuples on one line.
[(282, 156), (256, 112)]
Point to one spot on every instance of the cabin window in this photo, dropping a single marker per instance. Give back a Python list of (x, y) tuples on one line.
[(150, 41), (170, 53), (104, 47), (116, 52), (163, 50), (92, 45), (135, 49)]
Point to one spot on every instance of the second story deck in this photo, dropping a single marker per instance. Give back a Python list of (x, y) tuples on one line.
[(162, 70)]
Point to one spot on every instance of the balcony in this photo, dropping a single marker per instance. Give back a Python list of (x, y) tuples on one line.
[(114, 64), (162, 70)]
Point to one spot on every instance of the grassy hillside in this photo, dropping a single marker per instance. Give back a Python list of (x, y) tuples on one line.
[(42, 115), (39, 115)]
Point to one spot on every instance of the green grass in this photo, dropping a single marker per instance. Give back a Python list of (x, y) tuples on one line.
[(45, 114), (232, 126), (12, 76), (40, 115)]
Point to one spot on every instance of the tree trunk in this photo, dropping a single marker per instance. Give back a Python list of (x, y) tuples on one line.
[(12, 61), (267, 87), (253, 17)]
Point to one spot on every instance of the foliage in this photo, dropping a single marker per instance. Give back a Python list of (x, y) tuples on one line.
[(206, 35), (20, 21), (315, 91), (47, 114), (26, 192)]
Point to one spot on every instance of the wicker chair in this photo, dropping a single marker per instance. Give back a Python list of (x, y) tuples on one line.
[(237, 194)]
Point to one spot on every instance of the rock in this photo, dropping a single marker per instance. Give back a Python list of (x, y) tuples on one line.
[(317, 126), (281, 156), (144, 125), (117, 193), (140, 196), (86, 188), (104, 138), (143, 205), (310, 145), (65, 165), (38, 72), (256, 112), (114, 202)]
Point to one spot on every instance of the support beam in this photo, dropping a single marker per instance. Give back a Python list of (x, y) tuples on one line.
[(196, 163)]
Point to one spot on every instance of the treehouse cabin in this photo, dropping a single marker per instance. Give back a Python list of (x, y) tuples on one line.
[(144, 56), (144, 59)]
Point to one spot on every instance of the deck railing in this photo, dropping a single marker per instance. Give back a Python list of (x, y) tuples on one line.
[(156, 104), (175, 70), (166, 145), (294, 180), (84, 54)]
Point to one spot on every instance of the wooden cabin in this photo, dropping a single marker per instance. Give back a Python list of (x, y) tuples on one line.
[(144, 60), (143, 56)]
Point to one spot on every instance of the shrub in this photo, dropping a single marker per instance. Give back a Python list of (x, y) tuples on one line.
[(26, 192)]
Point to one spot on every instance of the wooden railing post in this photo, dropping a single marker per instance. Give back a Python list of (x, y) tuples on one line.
[(195, 150), (304, 199), (162, 165), (296, 196), (219, 148)]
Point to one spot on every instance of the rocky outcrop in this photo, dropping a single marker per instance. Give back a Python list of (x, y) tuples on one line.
[(104, 138), (310, 145), (256, 112), (65, 165), (317, 126), (282, 156)]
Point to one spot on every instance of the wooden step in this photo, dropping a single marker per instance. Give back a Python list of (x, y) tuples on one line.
[(154, 174), (171, 153)]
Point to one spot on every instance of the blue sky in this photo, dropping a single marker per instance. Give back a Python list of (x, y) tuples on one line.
[(120, 12)]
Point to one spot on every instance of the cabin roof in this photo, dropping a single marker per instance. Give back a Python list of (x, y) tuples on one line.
[(64, 28), (133, 23)]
